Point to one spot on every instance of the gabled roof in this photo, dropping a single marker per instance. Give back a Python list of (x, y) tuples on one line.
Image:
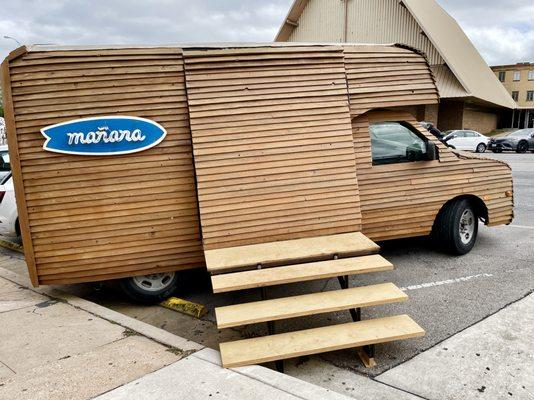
[(461, 56), (446, 35)]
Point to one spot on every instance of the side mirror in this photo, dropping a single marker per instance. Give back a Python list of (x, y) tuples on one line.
[(432, 152)]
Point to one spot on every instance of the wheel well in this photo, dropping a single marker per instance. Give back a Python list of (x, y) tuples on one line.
[(477, 202)]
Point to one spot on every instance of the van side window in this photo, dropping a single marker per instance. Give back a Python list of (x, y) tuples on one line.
[(395, 142)]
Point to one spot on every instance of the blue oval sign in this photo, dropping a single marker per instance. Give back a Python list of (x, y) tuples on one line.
[(103, 136)]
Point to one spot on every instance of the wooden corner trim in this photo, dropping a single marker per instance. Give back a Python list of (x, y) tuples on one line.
[(11, 129)]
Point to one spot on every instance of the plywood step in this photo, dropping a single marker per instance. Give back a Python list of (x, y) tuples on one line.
[(289, 252), (299, 273), (318, 340), (308, 304)]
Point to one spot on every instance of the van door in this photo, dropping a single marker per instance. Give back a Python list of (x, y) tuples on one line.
[(397, 183)]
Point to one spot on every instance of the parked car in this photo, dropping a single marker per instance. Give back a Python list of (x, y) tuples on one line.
[(9, 217), (520, 141), (5, 166), (467, 140)]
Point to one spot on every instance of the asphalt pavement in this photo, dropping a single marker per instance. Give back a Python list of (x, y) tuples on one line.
[(447, 294)]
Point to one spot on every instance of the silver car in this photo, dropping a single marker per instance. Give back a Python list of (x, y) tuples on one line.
[(520, 141)]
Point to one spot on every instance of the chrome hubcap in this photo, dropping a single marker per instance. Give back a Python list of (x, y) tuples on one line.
[(154, 282), (467, 226)]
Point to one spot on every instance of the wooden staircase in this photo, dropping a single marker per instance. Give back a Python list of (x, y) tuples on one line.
[(269, 264)]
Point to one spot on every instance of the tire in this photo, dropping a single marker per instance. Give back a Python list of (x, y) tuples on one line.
[(456, 227), (481, 148), (522, 147), (151, 289)]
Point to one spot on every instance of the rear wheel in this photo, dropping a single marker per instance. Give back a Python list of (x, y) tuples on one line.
[(152, 288), (456, 227), (522, 147), (481, 148)]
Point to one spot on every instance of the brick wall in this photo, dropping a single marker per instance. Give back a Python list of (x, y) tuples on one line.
[(480, 121)]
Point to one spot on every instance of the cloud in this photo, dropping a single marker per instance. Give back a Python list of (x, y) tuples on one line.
[(501, 29), (138, 21)]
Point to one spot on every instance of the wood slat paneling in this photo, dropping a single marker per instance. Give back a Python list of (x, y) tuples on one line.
[(379, 77), (287, 169), (96, 218)]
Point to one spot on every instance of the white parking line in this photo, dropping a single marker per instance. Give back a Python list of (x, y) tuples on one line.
[(445, 282), (522, 227)]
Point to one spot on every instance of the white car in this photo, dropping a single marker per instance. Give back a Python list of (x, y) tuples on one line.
[(9, 217), (5, 166), (467, 140)]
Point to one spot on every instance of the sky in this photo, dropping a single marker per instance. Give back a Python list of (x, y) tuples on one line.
[(502, 30)]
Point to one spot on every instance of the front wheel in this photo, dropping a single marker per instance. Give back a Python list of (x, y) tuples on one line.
[(150, 289), (522, 147), (456, 227), (481, 148)]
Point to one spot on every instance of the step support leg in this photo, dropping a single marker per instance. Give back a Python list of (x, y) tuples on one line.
[(279, 364), (355, 313), (367, 355)]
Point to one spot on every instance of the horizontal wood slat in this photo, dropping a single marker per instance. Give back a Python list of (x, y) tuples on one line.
[(299, 273), (289, 251), (318, 340), (307, 304)]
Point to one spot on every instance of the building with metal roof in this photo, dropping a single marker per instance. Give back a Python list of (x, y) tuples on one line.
[(471, 95)]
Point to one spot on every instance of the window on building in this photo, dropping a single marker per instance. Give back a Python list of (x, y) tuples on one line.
[(531, 75), (515, 95), (502, 76), (517, 76), (530, 95), (395, 142)]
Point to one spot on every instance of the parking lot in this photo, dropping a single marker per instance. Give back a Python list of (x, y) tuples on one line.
[(447, 294)]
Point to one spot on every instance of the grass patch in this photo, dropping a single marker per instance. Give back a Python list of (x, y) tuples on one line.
[(180, 352), (129, 332)]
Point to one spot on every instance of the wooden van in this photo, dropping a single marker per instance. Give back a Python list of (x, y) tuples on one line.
[(130, 162)]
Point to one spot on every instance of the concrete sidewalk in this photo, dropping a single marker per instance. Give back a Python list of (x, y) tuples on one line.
[(51, 348), (493, 359)]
